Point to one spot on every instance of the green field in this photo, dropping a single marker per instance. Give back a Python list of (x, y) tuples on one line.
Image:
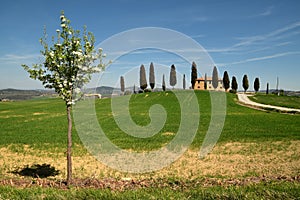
[(42, 123), (252, 144), (273, 99)]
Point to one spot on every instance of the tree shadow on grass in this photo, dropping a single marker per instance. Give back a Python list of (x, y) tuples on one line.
[(37, 171)]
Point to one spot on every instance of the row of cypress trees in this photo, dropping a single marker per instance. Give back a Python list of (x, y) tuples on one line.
[(173, 79), (234, 85), (143, 79)]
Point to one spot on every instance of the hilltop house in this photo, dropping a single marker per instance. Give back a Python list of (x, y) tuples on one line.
[(199, 85), (97, 96)]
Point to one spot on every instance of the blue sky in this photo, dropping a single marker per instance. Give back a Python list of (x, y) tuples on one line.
[(257, 38)]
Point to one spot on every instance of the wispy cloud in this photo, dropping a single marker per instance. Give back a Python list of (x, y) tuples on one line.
[(266, 12), (12, 58), (250, 40), (283, 44), (264, 39), (261, 58)]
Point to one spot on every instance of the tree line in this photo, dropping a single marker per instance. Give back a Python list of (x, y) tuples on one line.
[(225, 80), (227, 84), (234, 84), (144, 83)]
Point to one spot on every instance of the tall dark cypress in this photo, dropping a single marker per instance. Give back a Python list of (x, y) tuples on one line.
[(215, 78), (256, 84), (173, 79), (163, 83), (245, 83), (193, 74), (152, 76), (122, 84), (143, 81), (234, 85), (226, 81)]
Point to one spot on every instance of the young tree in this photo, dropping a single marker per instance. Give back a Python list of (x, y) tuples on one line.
[(215, 78), (245, 83), (173, 79), (234, 85), (226, 81), (163, 83), (122, 84), (256, 84), (184, 82), (68, 65), (151, 76), (205, 81), (193, 74), (143, 81)]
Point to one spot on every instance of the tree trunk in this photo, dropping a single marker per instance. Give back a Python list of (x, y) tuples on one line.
[(69, 149)]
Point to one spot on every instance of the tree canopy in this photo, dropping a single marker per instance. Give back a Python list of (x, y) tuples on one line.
[(69, 62)]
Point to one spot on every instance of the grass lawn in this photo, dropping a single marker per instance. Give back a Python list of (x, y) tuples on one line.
[(253, 143), (271, 190), (273, 99)]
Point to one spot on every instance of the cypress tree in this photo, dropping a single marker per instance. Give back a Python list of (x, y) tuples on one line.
[(122, 84), (245, 83), (205, 81), (184, 83), (226, 81), (151, 76), (267, 92), (143, 81), (193, 74), (173, 79), (163, 83), (215, 78), (256, 84), (234, 85)]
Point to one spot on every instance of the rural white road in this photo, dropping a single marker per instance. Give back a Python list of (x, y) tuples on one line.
[(243, 98)]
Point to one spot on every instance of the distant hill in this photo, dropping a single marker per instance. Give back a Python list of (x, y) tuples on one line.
[(287, 93), (15, 94), (104, 90)]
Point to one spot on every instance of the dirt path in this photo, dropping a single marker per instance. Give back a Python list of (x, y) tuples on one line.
[(243, 98)]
